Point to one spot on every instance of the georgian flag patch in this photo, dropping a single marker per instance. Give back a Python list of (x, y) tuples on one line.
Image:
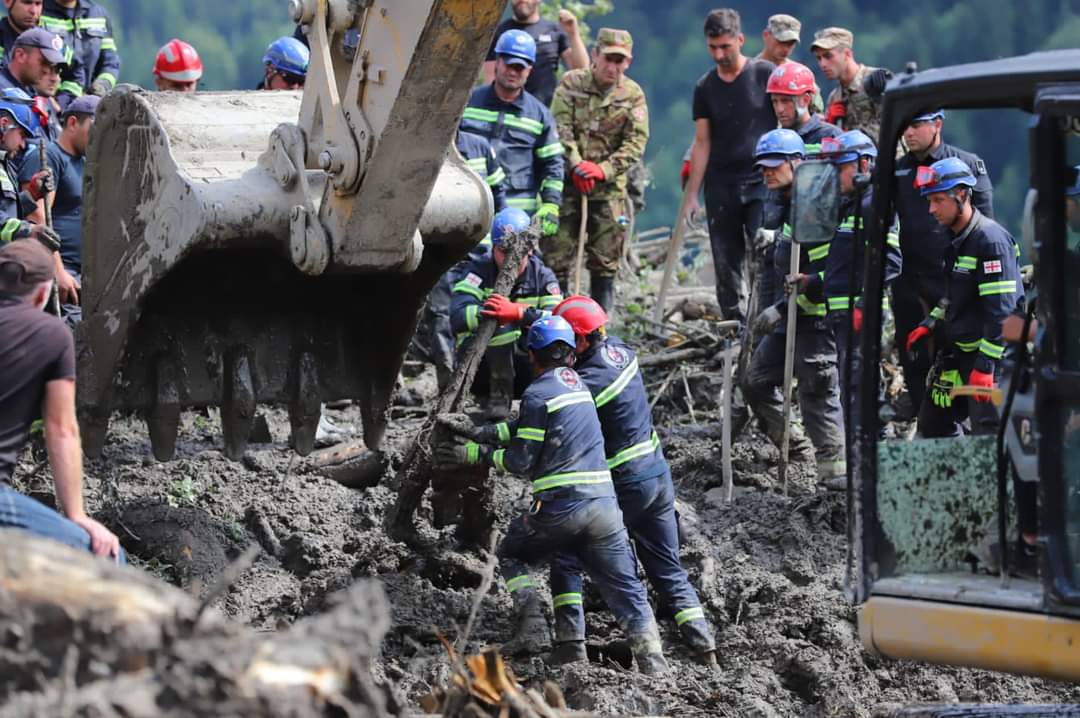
[(474, 279), (992, 267)]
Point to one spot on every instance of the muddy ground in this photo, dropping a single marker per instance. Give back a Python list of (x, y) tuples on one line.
[(769, 569)]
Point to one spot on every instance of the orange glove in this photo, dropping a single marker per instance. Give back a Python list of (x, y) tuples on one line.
[(502, 309), (981, 379), (856, 319), (836, 111), (916, 334)]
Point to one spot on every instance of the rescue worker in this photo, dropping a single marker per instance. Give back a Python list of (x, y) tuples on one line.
[(921, 284), (177, 67), (22, 15), (66, 159), (286, 62), (603, 124), (36, 52), (853, 153), (554, 41), (848, 106), (435, 330), (778, 153), (643, 487), (16, 127), (521, 130), (731, 112), (982, 288), (557, 443), (46, 108), (535, 291), (86, 29)]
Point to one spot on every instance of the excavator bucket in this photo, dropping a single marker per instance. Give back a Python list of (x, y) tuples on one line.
[(276, 247)]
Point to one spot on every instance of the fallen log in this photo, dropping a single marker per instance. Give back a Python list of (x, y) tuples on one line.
[(84, 636), (665, 358)]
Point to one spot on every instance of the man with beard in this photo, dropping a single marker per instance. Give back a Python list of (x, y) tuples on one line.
[(731, 111), (22, 15), (849, 106), (554, 41)]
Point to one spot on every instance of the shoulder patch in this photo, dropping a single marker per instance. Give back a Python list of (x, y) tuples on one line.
[(992, 266), (544, 38), (568, 378), (980, 167), (639, 113), (473, 279), (615, 356), (553, 289)]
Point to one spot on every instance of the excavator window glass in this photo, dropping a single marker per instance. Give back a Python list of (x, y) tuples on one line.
[(1070, 355)]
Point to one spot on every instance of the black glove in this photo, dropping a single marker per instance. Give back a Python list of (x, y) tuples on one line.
[(874, 84), (100, 87), (42, 233)]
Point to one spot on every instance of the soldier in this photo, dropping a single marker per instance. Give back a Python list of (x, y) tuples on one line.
[(780, 37), (94, 64), (848, 106), (982, 289), (924, 242), (603, 125)]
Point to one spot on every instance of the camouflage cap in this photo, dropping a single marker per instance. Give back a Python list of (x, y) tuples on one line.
[(614, 42), (833, 37), (784, 28)]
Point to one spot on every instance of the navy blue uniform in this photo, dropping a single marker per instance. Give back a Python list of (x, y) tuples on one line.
[(13, 204), (88, 37), (557, 444), (921, 284), (526, 142), (983, 288), (814, 130), (8, 35), (481, 159), (645, 492)]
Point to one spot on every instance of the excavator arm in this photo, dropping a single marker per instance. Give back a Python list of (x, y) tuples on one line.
[(276, 247)]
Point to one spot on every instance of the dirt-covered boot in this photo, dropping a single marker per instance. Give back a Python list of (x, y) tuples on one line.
[(532, 635), (649, 655), (707, 658), (568, 652)]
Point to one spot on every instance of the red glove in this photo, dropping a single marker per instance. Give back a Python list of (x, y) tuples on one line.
[(41, 109), (684, 173), (590, 170), (856, 319), (503, 309), (836, 111), (981, 379), (584, 185), (916, 334)]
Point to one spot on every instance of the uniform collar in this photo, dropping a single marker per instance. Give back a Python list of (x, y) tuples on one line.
[(976, 220), (938, 152), (601, 91), (810, 125), (591, 351), (857, 79), (519, 102)]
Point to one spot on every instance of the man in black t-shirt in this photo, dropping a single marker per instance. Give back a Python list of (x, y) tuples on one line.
[(553, 41), (37, 378), (731, 111)]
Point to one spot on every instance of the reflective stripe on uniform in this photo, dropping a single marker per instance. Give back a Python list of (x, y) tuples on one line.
[(697, 613), (570, 478), (477, 164), (526, 204), (90, 23), (530, 433), (7, 232), (464, 287), (1005, 286), (634, 452), (108, 76), (555, 184), (524, 123), (54, 24), (519, 582), (819, 252), (994, 351), (480, 115), (967, 346), (937, 313), (550, 301), (108, 44), (561, 402), (501, 340), (471, 320), (965, 262), (72, 88), (503, 430), (566, 599), (496, 177), (497, 458), (616, 387), (810, 308), (553, 150)]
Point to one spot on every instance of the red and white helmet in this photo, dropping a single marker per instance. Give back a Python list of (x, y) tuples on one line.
[(583, 314), (791, 78), (178, 61)]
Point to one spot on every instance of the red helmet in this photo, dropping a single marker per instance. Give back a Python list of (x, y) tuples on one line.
[(178, 61), (583, 314), (791, 78)]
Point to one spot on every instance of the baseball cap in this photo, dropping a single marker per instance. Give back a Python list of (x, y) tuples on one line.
[(614, 42), (771, 161), (51, 46), (833, 37), (83, 105), (784, 28), (29, 259)]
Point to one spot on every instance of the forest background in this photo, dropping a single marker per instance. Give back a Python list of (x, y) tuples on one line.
[(670, 56)]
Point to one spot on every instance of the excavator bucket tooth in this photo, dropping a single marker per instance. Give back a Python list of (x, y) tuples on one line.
[(238, 404), (163, 417), (304, 407)]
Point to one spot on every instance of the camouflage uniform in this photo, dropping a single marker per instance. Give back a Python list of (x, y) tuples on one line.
[(861, 111), (611, 129)]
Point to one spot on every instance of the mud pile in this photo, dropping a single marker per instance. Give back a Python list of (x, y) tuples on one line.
[(769, 570)]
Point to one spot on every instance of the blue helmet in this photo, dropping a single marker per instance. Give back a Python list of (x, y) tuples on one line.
[(19, 105), (548, 330), (509, 221), (928, 116), (848, 147), (777, 147), (1073, 188), (517, 44), (943, 175), (287, 54)]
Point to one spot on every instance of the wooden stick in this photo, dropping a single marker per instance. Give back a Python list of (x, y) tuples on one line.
[(672, 257), (675, 356)]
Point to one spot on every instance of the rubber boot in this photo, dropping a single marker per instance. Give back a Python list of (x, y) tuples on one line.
[(649, 654), (707, 658), (532, 635), (568, 652), (602, 290)]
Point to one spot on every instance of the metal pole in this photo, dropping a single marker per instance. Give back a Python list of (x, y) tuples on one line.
[(583, 230), (729, 481), (789, 365)]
